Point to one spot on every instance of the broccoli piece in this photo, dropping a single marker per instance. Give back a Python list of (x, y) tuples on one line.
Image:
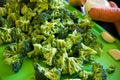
[(98, 72), (39, 72), (27, 12), (75, 37), (13, 54), (49, 55), (111, 69), (90, 40), (42, 17), (60, 44), (13, 6), (60, 59), (63, 33), (36, 52), (74, 65), (87, 53), (17, 48), (15, 62), (23, 23), (5, 36), (85, 75), (69, 44), (41, 6), (5, 23), (10, 50), (56, 3), (36, 39), (24, 47), (3, 11), (46, 74), (86, 24), (45, 16)]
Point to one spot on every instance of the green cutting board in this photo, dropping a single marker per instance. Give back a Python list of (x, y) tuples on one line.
[(27, 70)]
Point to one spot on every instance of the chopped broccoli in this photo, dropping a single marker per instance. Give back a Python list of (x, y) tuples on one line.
[(90, 40), (36, 52), (46, 31), (49, 56), (85, 75), (111, 69), (3, 11), (15, 62), (60, 59), (5, 36), (42, 17), (74, 65), (41, 73), (87, 53), (98, 72), (13, 54)]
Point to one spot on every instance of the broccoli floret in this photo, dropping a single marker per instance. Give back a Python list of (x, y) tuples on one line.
[(36, 52), (87, 53), (39, 72), (5, 36), (15, 62), (90, 40), (74, 65), (60, 60), (111, 69), (75, 37), (10, 50), (23, 23), (13, 54), (24, 47), (3, 11), (46, 74), (99, 72), (49, 56), (60, 44), (85, 75), (41, 5), (56, 3)]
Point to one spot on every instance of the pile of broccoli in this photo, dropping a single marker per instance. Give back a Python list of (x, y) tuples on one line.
[(47, 32)]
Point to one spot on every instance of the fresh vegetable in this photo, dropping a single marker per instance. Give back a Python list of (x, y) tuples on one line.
[(99, 72), (106, 11), (95, 3), (101, 14), (111, 69), (46, 74), (46, 32)]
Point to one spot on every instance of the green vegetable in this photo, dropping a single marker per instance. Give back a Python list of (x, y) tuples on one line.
[(111, 69), (98, 72), (46, 74), (49, 34)]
